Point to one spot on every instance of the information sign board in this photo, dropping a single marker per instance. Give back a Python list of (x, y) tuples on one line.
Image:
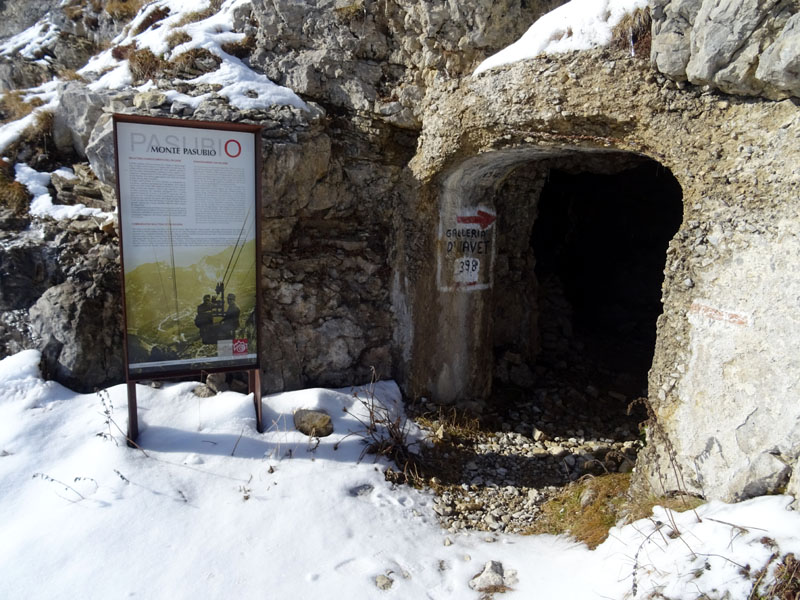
[(189, 208)]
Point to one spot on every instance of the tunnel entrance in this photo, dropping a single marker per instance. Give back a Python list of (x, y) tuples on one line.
[(580, 251), (576, 307), (600, 243)]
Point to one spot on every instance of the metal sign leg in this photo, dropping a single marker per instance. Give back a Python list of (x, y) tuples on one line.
[(254, 380), (133, 415)]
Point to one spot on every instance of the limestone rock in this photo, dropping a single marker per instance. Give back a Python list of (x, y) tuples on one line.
[(18, 73), (149, 99), (18, 16), (216, 382), (15, 332), (71, 52), (748, 47), (82, 188), (313, 423), (204, 391), (779, 66), (383, 582), (400, 46), (75, 116), (100, 150), (26, 270), (80, 329), (672, 25), (493, 578), (365, 489)]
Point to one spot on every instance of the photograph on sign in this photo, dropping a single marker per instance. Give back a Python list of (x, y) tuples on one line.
[(187, 199)]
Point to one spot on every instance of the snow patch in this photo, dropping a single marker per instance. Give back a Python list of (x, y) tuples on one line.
[(576, 25), (42, 203)]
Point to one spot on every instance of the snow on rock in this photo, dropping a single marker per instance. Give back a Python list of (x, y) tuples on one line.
[(42, 203), (243, 87), (576, 25), (31, 42)]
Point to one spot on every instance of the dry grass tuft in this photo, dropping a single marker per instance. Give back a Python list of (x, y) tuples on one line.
[(73, 13), (786, 584), (70, 75), (634, 32), (145, 65), (386, 434), (197, 59), (200, 15), (13, 106), (153, 17), (589, 507), (351, 10), (178, 37), (13, 194), (450, 423), (36, 137), (123, 10), (241, 49), (122, 52)]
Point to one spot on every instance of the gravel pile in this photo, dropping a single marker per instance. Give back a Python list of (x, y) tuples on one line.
[(527, 447)]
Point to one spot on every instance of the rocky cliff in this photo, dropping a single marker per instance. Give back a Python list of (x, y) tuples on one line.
[(401, 208)]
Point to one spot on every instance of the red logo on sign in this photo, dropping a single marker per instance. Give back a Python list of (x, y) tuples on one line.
[(233, 148), (239, 347)]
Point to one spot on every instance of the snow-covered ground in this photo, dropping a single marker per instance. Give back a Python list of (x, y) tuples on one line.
[(209, 508)]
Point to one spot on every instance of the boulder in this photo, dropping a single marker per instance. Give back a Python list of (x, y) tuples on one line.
[(779, 66), (493, 578), (313, 423), (149, 99), (216, 382), (100, 150), (77, 113), (79, 326)]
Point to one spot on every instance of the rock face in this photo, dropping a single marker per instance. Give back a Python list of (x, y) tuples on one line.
[(444, 229), (750, 47), (60, 294), (379, 57), (18, 16)]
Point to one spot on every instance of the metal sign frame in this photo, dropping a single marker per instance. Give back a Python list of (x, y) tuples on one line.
[(160, 159)]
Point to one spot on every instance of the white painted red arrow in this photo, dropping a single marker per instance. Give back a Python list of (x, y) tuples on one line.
[(483, 219)]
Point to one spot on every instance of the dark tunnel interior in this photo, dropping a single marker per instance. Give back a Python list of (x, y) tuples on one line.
[(600, 243)]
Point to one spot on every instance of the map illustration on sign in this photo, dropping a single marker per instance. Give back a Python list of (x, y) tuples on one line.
[(466, 249), (188, 222)]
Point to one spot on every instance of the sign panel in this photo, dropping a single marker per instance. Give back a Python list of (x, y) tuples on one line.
[(188, 212), (466, 249)]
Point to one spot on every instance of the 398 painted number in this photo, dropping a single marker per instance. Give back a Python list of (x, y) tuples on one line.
[(467, 265), (467, 270)]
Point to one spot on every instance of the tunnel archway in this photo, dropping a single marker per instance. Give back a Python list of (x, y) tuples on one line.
[(582, 242)]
